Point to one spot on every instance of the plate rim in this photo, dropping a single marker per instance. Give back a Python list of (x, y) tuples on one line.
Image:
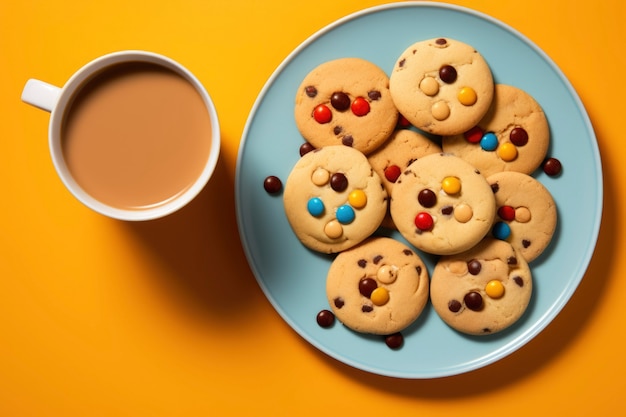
[(565, 295)]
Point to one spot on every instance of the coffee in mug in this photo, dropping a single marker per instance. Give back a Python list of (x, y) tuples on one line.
[(133, 135)]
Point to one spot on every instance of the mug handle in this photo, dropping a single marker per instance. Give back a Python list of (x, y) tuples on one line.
[(41, 94)]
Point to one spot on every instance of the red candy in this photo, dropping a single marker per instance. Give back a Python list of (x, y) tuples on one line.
[(474, 135), (322, 114), (360, 106), (506, 213), (424, 221), (392, 173)]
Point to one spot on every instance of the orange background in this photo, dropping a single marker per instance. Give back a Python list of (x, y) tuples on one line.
[(164, 318)]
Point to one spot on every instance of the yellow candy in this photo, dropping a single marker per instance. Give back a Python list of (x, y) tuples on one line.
[(494, 289), (380, 296), (451, 185), (507, 152), (467, 96), (357, 199)]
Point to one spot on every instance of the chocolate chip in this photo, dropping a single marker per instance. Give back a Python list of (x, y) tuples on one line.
[(525, 243), (377, 259), (338, 182), (347, 140), (394, 341), (495, 187), (401, 63), (519, 281), (305, 148), (340, 101), (407, 252), (447, 210), (419, 270), (272, 184), (374, 95), (441, 41), (339, 302), (337, 130), (474, 267), (362, 263), (367, 308), (325, 318), (310, 91), (454, 306), (511, 260)]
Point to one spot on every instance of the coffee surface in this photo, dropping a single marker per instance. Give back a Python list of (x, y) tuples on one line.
[(137, 135)]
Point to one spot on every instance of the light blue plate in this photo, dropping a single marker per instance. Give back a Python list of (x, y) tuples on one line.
[(293, 277)]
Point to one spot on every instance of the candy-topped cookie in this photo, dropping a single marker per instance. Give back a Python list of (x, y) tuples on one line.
[(513, 136), (442, 205), (442, 86), (333, 199), (481, 291), (345, 102), (396, 154), (379, 287), (526, 213)]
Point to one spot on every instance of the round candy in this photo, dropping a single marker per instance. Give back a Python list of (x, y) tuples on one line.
[(506, 213), (322, 114), (501, 231), (360, 106), (325, 318), (507, 152), (305, 148), (474, 135), (367, 286), (447, 73), (552, 167), (467, 96), (473, 301), (427, 198), (338, 182), (272, 184), (392, 173), (429, 86), (394, 341), (345, 214), (440, 110), (451, 185), (387, 274), (494, 289), (320, 176), (518, 136), (424, 221), (315, 206), (489, 141), (333, 229), (463, 213), (340, 101), (380, 296), (357, 199)]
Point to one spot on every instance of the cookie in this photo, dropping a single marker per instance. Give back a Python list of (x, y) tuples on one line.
[(481, 291), (396, 154), (442, 86), (526, 213), (442, 205), (333, 199), (513, 136), (379, 287), (345, 101)]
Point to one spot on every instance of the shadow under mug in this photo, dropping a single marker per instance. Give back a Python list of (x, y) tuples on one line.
[(59, 101)]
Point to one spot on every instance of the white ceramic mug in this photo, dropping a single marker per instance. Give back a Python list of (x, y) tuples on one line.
[(58, 101)]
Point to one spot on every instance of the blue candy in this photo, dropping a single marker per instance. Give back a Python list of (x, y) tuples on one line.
[(345, 214), (501, 231), (489, 141), (315, 206)]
